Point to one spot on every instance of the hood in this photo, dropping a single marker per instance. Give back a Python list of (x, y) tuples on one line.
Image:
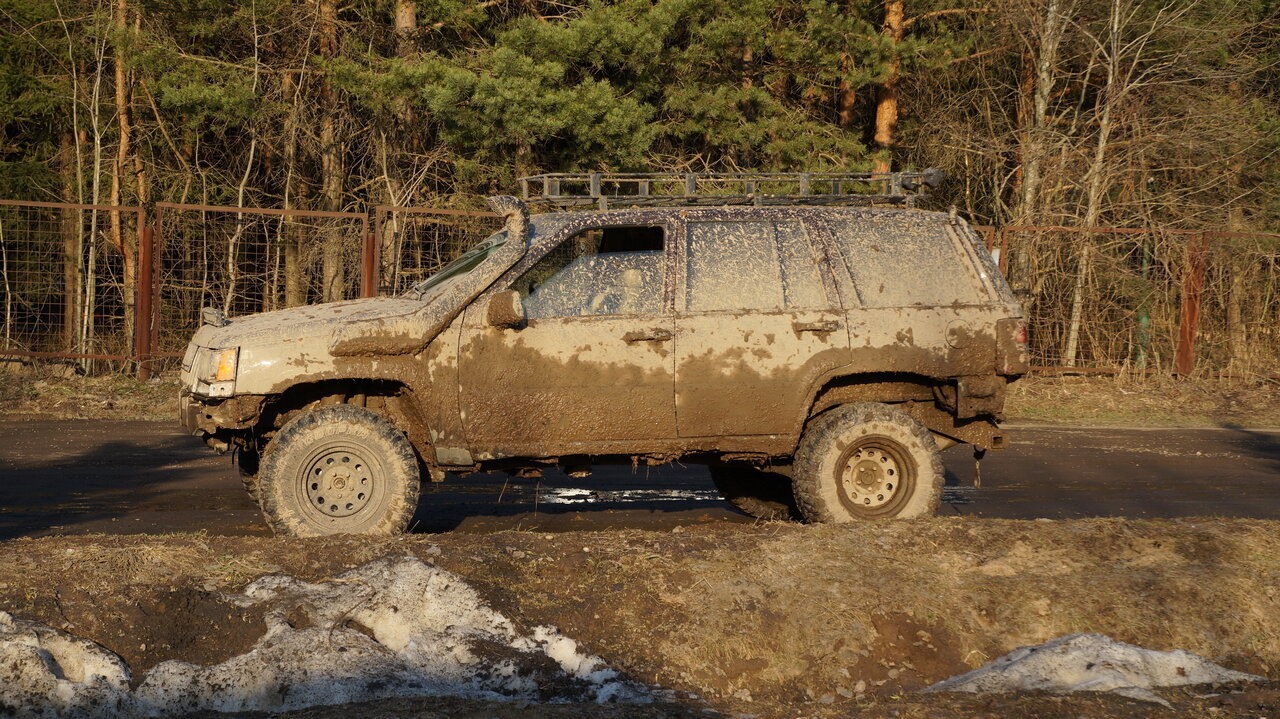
[(311, 321)]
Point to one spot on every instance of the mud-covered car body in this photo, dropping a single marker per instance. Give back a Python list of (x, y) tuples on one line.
[(639, 334)]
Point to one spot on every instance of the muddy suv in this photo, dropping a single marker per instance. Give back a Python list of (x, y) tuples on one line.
[(815, 355)]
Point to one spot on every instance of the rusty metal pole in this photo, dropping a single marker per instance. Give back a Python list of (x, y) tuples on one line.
[(369, 265), (1192, 287), (142, 317)]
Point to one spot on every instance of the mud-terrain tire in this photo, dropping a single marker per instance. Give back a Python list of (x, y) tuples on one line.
[(866, 461), (756, 493), (338, 469)]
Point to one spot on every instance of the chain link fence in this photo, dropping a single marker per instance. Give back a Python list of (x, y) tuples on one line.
[(244, 261), (95, 285), (68, 278)]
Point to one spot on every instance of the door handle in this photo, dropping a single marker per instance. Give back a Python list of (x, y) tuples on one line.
[(651, 335), (821, 326)]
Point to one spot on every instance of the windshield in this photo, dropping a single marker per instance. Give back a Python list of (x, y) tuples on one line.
[(467, 262)]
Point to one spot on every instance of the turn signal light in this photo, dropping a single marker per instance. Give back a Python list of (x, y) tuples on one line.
[(227, 360)]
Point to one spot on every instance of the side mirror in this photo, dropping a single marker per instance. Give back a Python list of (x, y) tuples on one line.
[(506, 310)]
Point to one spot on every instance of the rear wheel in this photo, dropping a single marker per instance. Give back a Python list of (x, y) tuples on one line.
[(866, 461), (338, 469), (760, 494)]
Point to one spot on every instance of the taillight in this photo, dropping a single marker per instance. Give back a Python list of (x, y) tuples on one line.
[(1011, 347)]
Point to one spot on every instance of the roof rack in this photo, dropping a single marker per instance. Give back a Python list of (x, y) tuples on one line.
[(647, 189)]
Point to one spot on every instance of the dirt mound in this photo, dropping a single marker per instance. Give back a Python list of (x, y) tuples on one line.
[(770, 619), (395, 627)]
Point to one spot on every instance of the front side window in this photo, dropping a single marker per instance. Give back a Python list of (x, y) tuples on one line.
[(752, 265), (598, 271)]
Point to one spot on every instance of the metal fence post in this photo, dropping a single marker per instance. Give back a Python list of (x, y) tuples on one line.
[(369, 265), (1192, 287)]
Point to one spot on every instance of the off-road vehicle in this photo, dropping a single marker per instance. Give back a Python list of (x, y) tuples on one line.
[(810, 345)]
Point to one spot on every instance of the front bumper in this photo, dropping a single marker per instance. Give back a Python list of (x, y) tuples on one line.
[(207, 416)]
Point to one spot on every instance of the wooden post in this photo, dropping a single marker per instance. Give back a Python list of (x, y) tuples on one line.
[(1192, 287)]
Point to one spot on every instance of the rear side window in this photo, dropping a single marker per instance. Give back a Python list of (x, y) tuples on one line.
[(751, 266), (906, 260)]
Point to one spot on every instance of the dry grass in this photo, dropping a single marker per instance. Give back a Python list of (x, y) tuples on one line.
[(1148, 401), (53, 391), (763, 618)]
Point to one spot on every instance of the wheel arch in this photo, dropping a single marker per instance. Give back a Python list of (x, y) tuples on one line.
[(391, 398), (917, 394)]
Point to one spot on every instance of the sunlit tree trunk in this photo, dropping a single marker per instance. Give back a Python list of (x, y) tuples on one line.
[(123, 234), (333, 273), (887, 92)]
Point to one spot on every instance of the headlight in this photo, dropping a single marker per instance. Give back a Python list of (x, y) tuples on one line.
[(220, 365)]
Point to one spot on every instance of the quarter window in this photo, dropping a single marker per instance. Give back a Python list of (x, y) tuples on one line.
[(906, 259)]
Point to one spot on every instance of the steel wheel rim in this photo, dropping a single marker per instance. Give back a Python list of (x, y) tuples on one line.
[(875, 476), (339, 484)]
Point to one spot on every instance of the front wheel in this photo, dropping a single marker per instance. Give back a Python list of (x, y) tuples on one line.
[(866, 461), (339, 469)]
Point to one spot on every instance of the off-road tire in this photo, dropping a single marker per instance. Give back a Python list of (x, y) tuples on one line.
[(357, 457), (866, 461), (756, 493)]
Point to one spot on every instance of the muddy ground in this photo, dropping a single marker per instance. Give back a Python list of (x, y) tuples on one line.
[(772, 620), (669, 585), (76, 476)]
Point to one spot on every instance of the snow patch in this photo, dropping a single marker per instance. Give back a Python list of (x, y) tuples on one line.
[(1091, 663), (576, 495), (396, 627), (48, 673)]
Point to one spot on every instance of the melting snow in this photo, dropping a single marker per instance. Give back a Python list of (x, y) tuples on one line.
[(392, 628), (1092, 663), (589, 496)]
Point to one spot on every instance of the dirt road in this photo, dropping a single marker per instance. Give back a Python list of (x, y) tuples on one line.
[(70, 477)]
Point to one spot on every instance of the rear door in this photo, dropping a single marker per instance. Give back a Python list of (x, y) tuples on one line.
[(757, 326)]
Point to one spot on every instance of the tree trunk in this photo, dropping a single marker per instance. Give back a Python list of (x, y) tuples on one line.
[(295, 197), (1096, 185), (394, 149), (846, 98), (887, 92), (1045, 79), (72, 242), (123, 234), (333, 271)]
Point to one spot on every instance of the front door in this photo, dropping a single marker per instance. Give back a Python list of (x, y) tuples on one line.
[(592, 369), (758, 328)]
